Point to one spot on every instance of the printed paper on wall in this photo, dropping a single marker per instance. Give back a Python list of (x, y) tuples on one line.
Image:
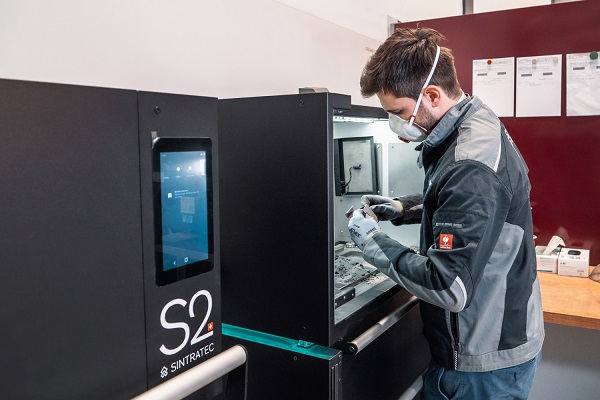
[(539, 86)]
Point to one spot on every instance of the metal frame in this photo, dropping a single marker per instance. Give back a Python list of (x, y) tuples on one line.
[(362, 341)]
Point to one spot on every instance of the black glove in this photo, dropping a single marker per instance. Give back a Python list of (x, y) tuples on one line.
[(385, 208), (405, 209), (413, 209)]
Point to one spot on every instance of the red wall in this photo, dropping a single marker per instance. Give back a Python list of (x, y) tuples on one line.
[(562, 152)]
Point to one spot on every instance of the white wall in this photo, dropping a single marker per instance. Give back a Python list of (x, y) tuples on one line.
[(226, 48), (370, 18)]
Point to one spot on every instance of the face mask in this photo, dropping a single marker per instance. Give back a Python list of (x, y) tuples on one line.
[(407, 129)]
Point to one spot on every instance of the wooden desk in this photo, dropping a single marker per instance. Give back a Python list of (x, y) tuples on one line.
[(570, 300)]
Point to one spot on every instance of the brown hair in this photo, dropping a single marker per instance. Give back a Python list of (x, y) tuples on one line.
[(401, 65)]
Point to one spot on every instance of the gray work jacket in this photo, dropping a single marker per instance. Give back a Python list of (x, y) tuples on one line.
[(476, 268)]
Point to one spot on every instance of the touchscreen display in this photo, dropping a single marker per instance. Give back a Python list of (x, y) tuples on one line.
[(184, 213), (183, 208)]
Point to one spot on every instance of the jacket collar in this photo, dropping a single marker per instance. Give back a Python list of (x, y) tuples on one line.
[(448, 125)]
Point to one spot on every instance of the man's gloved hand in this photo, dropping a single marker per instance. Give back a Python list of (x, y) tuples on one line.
[(362, 227), (395, 210), (385, 208)]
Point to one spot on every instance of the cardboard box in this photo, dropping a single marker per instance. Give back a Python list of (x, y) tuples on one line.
[(574, 262), (546, 262)]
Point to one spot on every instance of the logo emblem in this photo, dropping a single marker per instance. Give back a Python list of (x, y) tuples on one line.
[(445, 241)]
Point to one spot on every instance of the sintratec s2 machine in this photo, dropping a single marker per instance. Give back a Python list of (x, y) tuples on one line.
[(110, 279)]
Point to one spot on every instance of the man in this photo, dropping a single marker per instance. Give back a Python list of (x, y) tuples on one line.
[(475, 272)]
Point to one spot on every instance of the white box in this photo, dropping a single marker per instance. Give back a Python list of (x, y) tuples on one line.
[(546, 262), (574, 262)]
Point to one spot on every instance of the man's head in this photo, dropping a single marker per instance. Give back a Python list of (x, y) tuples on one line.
[(400, 67), (401, 64)]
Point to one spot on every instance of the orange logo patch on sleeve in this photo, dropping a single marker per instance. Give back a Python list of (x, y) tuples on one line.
[(445, 241)]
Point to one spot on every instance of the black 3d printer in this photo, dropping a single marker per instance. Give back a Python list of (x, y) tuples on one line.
[(110, 282), (295, 293)]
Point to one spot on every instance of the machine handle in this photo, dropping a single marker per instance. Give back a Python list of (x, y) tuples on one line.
[(414, 389), (358, 344), (197, 377)]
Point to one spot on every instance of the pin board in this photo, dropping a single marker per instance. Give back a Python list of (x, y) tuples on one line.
[(561, 151)]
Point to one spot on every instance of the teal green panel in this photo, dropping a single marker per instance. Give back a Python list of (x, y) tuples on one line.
[(297, 346)]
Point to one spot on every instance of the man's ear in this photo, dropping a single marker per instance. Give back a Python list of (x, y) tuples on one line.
[(433, 94)]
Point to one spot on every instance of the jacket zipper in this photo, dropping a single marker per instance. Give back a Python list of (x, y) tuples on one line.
[(455, 337)]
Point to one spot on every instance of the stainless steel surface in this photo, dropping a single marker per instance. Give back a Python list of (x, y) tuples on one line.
[(196, 378), (404, 175), (383, 325)]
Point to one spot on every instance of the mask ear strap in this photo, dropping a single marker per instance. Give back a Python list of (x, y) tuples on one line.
[(435, 61)]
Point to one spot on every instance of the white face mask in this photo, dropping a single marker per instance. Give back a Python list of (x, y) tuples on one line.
[(407, 129)]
